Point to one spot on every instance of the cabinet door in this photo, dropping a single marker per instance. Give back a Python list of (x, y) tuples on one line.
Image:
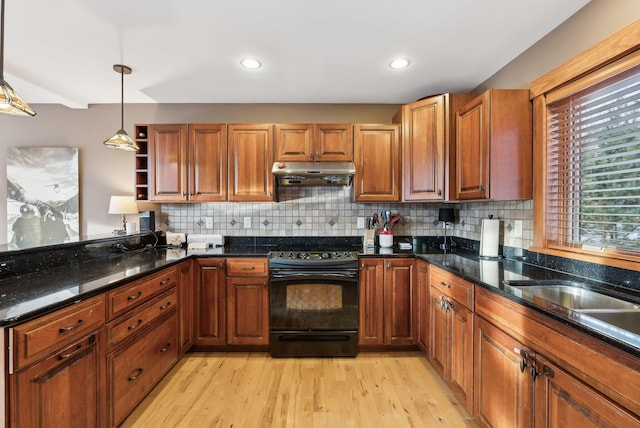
[(207, 163), (422, 287), (377, 160), (438, 332), (503, 393), (168, 164), (294, 142), (247, 311), (562, 401), (423, 150), (210, 303), (65, 390), (472, 149), (400, 301), (250, 162), (333, 142), (185, 300), (461, 353), (371, 282)]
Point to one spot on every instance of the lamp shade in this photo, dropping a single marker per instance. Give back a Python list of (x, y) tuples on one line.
[(123, 205), (446, 215)]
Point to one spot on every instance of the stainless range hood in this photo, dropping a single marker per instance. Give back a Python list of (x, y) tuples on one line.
[(314, 173)]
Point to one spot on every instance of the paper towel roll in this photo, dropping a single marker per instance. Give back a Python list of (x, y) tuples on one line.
[(489, 237)]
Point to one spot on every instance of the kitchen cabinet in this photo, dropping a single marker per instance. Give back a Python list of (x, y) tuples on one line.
[(142, 339), (58, 375), (494, 146), (314, 143), (247, 301), (503, 390), (250, 162), (451, 330), (187, 163), (388, 302), (558, 378), (422, 286), (377, 159), (428, 147), (210, 302), (185, 310)]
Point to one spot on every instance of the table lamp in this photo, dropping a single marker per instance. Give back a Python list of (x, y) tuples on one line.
[(123, 205)]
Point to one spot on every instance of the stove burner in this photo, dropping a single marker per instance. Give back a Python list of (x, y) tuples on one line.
[(308, 255)]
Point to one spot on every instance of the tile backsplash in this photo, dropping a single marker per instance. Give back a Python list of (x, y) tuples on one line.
[(329, 211)]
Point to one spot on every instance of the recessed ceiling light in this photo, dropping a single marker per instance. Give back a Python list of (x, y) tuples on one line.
[(399, 63), (251, 63)]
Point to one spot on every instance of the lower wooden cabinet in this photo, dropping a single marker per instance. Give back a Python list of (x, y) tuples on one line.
[(503, 389), (422, 286), (67, 389), (247, 311), (134, 369), (185, 310), (451, 332), (210, 302), (388, 302), (518, 382)]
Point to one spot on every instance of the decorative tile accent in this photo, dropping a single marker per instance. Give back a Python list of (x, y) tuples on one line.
[(200, 223), (298, 223), (232, 222), (266, 223), (331, 222)]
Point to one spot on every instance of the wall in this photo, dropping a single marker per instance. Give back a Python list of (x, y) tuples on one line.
[(104, 172)]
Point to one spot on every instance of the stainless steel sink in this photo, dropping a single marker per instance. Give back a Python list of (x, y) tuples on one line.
[(612, 316), (570, 295)]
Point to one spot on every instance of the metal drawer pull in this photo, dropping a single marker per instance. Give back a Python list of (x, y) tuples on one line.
[(135, 376), (70, 354), (444, 284), (163, 307), (247, 268), (166, 348), (134, 297), (165, 282), (133, 326), (65, 329)]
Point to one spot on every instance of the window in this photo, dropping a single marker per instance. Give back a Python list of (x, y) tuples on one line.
[(592, 159)]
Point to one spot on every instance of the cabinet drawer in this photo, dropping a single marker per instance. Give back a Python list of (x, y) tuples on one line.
[(129, 296), (134, 370), (452, 286), (129, 325), (248, 267), (35, 339)]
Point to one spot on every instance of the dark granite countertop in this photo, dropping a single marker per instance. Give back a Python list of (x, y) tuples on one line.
[(27, 296)]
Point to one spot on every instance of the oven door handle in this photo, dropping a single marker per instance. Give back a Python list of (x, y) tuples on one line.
[(298, 274)]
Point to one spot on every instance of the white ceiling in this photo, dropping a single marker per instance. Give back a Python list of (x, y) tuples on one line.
[(322, 51)]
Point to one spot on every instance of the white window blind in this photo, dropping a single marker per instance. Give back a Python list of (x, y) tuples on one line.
[(593, 166)]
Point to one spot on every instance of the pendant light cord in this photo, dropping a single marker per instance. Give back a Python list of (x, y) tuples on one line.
[(2, 41), (121, 96)]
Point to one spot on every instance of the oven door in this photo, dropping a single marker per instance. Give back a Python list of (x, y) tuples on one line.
[(312, 300)]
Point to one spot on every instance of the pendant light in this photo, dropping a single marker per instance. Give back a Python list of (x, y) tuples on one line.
[(10, 103), (121, 139)]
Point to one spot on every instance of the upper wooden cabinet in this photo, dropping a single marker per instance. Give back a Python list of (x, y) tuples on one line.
[(250, 162), (377, 159), (428, 147), (494, 146), (187, 163), (320, 142)]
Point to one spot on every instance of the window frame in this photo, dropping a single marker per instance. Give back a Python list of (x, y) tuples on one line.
[(610, 57)]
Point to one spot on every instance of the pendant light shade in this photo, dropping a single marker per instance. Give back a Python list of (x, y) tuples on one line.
[(121, 139), (10, 103)]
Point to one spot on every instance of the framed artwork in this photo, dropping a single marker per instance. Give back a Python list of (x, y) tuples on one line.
[(42, 195)]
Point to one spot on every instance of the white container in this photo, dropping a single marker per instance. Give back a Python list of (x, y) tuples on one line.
[(386, 239), (131, 228)]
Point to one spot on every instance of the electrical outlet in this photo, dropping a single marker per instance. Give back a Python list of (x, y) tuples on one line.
[(208, 222), (517, 228), (360, 223), (247, 222)]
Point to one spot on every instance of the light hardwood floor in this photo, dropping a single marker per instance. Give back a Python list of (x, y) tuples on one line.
[(255, 390)]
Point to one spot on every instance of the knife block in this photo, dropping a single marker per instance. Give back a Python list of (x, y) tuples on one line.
[(368, 240)]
